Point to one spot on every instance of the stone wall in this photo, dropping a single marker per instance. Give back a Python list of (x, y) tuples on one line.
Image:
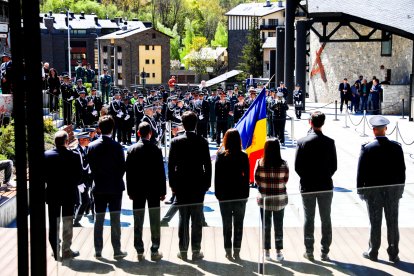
[(351, 59), (392, 99), (237, 40)]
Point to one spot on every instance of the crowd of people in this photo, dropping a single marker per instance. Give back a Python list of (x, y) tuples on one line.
[(361, 96), (98, 167)]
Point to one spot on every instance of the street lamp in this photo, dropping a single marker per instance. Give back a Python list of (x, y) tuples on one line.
[(115, 71), (69, 59), (99, 62)]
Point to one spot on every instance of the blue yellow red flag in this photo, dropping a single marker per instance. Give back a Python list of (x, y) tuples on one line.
[(252, 129)]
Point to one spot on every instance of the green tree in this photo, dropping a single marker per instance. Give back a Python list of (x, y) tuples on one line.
[(221, 36), (174, 41), (188, 38), (251, 60)]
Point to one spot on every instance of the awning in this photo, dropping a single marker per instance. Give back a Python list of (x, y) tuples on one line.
[(222, 77)]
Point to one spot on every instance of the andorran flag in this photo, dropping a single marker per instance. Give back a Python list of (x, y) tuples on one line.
[(252, 129)]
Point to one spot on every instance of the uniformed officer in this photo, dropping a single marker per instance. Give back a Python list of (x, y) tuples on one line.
[(380, 182), (94, 106), (128, 122), (79, 86), (151, 98), (232, 98), (138, 112), (279, 108), (83, 199), (90, 75), (282, 88), (212, 117), (105, 80), (269, 112), (149, 118), (203, 112), (171, 111), (81, 108), (297, 100), (222, 110), (5, 73), (252, 96), (80, 71), (68, 95), (239, 108), (117, 111)]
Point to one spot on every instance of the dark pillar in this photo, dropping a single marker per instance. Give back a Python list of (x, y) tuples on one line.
[(300, 69), (35, 135), (272, 67), (17, 48), (280, 54), (290, 47), (410, 106)]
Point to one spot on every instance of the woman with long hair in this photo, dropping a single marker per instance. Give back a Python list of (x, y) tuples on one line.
[(53, 82), (271, 175), (232, 190)]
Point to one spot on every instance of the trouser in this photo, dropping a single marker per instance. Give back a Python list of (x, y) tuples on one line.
[(355, 104), (113, 203), (232, 215), (376, 202), (202, 128), (186, 212), (298, 110), (277, 226), (56, 212), (154, 216), (105, 93), (279, 129), (117, 132), (212, 129), (53, 102), (221, 128), (7, 166), (343, 100), (127, 133), (230, 122), (375, 103), (269, 127), (369, 102), (67, 113), (363, 101), (324, 200), (81, 205)]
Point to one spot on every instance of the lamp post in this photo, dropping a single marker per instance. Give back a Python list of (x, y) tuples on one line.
[(99, 62), (69, 59), (115, 78)]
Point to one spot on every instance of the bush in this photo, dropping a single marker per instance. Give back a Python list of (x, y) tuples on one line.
[(7, 141), (48, 126)]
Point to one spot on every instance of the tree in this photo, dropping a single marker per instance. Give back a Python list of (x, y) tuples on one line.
[(221, 36), (188, 38), (251, 60), (174, 41)]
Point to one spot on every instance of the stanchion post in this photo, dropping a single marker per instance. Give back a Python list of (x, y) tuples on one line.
[(336, 111), (396, 132), (402, 108), (165, 141), (346, 118), (292, 130), (363, 125)]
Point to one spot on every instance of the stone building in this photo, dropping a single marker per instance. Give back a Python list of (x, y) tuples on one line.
[(129, 52), (240, 19)]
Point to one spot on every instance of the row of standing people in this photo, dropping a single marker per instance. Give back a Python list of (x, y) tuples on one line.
[(189, 159)]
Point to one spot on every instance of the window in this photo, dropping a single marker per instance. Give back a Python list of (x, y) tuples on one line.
[(263, 21), (105, 49), (273, 22), (153, 61), (105, 61), (119, 62), (119, 49), (147, 75), (119, 76), (153, 75), (267, 65), (386, 44), (271, 34), (146, 47), (153, 36), (147, 61)]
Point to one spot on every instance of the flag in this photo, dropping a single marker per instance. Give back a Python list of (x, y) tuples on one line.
[(252, 129)]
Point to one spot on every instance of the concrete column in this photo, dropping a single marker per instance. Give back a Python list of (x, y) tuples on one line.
[(290, 47), (300, 62), (410, 100), (280, 54)]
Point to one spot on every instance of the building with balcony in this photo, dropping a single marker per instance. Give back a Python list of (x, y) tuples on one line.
[(269, 15), (131, 51)]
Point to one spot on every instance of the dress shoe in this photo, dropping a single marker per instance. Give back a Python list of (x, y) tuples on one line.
[(366, 255), (197, 255), (98, 255), (325, 257), (156, 256), (70, 254), (236, 256), (141, 257), (394, 259), (309, 256), (182, 256), (120, 255)]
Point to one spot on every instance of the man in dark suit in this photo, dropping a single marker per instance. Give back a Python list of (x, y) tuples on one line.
[(148, 186), (117, 111), (189, 172), (62, 179), (344, 93), (381, 163), (107, 163), (315, 164)]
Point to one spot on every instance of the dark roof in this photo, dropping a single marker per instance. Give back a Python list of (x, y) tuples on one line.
[(396, 16)]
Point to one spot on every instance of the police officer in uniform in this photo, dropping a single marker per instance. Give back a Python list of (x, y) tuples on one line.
[(239, 108), (233, 100), (203, 110), (269, 112), (222, 109), (381, 163), (252, 96), (212, 117), (279, 108), (105, 80), (83, 199), (151, 98), (282, 88), (80, 71), (297, 100), (117, 111), (79, 87), (128, 122), (138, 112), (94, 106), (149, 118), (68, 95), (81, 107)]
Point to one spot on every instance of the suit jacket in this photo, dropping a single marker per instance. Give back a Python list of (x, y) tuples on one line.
[(232, 174), (145, 173), (62, 175), (315, 162), (107, 163), (381, 163), (348, 92), (189, 168)]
